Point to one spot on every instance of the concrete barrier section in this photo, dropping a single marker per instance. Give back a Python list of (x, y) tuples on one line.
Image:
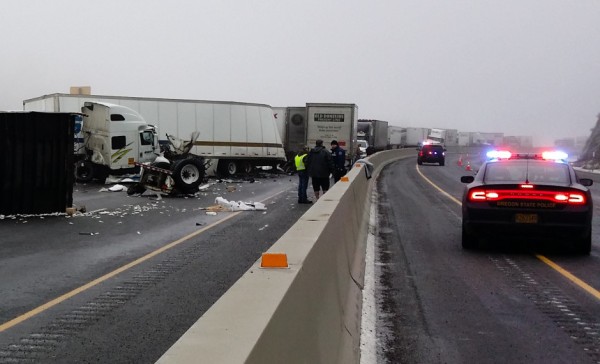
[(309, 312)]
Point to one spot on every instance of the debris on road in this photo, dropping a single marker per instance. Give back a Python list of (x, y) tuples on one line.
[(239, 205)]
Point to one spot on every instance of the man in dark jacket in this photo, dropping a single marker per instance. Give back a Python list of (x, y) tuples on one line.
[(339, 161), (319, 165)]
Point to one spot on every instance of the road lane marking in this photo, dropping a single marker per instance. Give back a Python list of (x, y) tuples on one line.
[(17, 320), (565, 273), (591, 290), (438, 188)]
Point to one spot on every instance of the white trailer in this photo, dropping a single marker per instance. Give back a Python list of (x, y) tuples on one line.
[(416, 136), (234, 136), (396, 137), (329, 122)]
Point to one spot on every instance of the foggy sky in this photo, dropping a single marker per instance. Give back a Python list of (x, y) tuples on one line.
[(521, 67)]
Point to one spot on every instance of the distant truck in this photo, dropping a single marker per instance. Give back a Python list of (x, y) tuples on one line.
[(396, 137), (303, 125), (375, 132), (234, 137), (333, 122), (416, 136)]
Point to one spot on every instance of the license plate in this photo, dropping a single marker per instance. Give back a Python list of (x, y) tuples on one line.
[(526, 218)]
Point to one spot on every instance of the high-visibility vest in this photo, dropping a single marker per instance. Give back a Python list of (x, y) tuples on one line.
[(299, 160)]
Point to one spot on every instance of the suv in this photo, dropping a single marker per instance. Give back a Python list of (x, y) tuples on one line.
[(431, 153)]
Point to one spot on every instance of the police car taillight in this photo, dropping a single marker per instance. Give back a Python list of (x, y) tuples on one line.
[(569, 197)]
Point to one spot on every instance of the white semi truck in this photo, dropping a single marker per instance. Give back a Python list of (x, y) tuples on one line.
[(332, 121), (234, 136)]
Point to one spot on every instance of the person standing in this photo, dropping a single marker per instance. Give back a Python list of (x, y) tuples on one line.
[(319, 165), (300, 163), (339, 161)]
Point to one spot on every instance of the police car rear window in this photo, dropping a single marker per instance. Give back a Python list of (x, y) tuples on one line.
[(519, 171)]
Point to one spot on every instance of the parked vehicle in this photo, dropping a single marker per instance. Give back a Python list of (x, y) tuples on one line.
[(416, 136), (375, 132), (431, 153), (303, 125), (234, 137), (396, 137), (528, 195), (333, 122)]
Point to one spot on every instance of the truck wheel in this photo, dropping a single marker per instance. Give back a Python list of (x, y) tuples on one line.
[(247, 167), (188, 174), (84, 171), (228, 167)]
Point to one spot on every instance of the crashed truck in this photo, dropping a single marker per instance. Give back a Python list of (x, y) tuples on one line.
[(117, 140), (235, 137)]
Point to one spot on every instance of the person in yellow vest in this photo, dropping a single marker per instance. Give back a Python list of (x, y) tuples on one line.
[(300, 163)]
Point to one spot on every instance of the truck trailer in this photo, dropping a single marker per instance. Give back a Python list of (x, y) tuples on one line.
[(375, 132), (396, 137), (234, 136), (333, 121)]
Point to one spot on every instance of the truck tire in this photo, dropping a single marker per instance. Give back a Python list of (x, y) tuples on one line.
[(247, 167), (228, 167), (188, 174), (84, 171)]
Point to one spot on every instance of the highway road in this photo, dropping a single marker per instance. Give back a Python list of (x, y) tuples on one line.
[(509, 302), (122, 282), (151, 268)]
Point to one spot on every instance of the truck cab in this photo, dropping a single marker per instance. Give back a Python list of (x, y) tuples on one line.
[(115, 137)]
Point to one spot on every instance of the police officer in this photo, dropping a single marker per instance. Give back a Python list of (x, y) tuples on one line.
[(339, 161), (300, 163)]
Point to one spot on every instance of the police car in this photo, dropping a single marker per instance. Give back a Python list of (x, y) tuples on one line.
[(527, 195)]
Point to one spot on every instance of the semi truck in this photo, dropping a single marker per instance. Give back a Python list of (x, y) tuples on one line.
[(117, 140), (234, 137), (303, 125), (331, 121), (375, 132), (396, 137), (416, 136)]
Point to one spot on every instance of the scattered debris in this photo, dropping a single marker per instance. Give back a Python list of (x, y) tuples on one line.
[(239, 205), (86, 233), (212, 213)]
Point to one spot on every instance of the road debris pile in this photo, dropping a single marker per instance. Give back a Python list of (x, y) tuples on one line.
[(225, 205)]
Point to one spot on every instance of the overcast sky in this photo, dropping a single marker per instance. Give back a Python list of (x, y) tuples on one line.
[(521, 67)]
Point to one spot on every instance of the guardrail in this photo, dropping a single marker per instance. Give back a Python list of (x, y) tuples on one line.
[(309, 312)]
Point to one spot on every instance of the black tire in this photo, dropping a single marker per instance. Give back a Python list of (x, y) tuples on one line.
[(135, 188), (442, 163), (84, 171), (584, 245), (419, 162), (188, 174), (247, 167), (228, 167), (469, 241)]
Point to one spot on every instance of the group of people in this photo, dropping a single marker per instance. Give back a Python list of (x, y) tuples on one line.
[(318, 164)]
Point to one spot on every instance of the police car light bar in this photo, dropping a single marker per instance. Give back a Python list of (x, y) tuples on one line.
[(555, 155), (499, 154)]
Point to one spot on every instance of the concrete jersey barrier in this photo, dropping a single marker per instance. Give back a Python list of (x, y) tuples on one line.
[(309, 312)]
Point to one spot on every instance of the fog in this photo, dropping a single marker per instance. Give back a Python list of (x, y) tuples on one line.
[(520, 67)]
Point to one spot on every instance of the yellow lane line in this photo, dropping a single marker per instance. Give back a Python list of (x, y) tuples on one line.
[(17, 320), (438, 188), (591, 290), (586, 287)]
